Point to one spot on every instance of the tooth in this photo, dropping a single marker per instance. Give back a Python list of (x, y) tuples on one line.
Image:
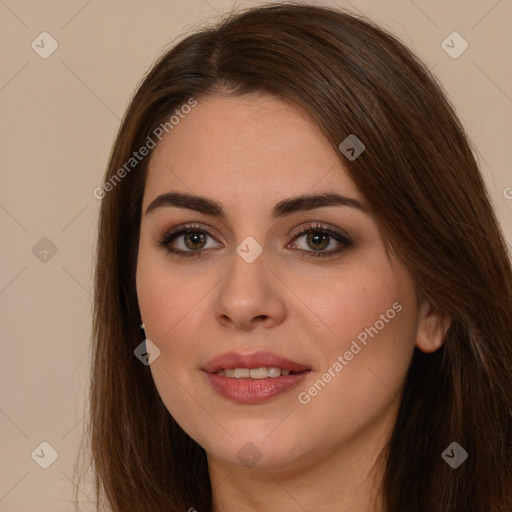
[(273, 371), (241, 373), (229, 372), (220, 372), (258, 373), (285, 372)]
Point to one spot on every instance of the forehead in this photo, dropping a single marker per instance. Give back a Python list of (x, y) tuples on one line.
[(253, 148)]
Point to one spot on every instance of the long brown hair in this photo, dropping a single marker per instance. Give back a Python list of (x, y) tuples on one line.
[(419, 175)]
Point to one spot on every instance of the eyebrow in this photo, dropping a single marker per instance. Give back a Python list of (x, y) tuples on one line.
[(281, 209)]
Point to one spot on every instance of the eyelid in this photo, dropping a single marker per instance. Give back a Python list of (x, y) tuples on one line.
[(170, 234), (341, 237), (300, 230), (303, 228)]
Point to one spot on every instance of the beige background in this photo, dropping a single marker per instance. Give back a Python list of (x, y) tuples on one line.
[(59, 118)]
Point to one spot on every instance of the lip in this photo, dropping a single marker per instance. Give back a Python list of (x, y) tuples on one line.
[(252, 391), (252, 360)]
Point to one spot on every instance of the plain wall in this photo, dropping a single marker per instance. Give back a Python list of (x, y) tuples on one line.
[(59, 118)]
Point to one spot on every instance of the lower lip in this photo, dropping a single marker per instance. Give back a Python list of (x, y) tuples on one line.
[(252, 391)]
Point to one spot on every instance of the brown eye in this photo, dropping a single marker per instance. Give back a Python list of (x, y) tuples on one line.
[(318, 238), (194, 240), (318, 241), (187, 241)]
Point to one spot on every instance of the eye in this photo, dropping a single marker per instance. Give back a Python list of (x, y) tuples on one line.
[(192, 240), (319, 238)]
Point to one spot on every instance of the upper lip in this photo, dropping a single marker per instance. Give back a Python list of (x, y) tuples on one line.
[(252, 360)]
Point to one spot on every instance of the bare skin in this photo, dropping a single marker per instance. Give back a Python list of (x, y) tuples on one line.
[(316, 450)]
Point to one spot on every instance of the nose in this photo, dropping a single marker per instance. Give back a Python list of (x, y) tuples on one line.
[(250, 296)]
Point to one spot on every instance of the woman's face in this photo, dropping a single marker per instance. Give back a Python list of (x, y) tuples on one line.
[(326, 321)]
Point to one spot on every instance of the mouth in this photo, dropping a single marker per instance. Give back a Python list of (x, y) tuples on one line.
[(254, 373), (253, 378)]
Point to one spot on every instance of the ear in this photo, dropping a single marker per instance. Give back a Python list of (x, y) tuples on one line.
[(432, 327)]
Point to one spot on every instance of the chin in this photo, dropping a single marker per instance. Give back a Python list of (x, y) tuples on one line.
[(255, 453), (264, 447)]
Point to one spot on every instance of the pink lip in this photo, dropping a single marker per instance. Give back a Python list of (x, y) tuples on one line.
[(251, 391)]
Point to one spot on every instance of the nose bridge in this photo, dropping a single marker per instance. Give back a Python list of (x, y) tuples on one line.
[(248, 269), (248, 291)]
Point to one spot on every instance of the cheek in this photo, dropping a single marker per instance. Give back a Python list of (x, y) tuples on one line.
[(169, 305), (371, 320), (365, 296), (359, 386), (168, 298), (172, 305), (173, 322)]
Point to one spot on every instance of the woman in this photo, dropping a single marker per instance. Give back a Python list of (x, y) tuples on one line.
[(293, 213)]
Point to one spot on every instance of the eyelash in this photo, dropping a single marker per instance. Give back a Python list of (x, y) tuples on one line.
[(170, 236)]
